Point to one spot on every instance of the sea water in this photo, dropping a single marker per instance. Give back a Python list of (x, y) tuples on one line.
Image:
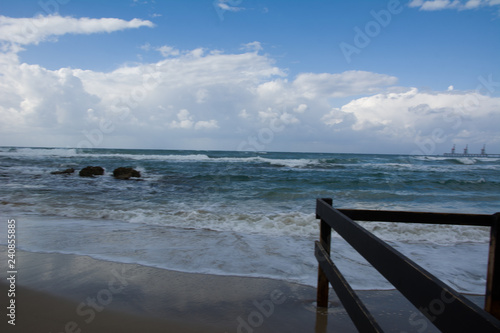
[(246, 213)]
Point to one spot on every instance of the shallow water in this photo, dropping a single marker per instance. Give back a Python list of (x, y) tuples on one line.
[(244, 213)]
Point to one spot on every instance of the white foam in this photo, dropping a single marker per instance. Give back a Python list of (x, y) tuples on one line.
[(463, 266), (38, 152), (278, 224), (292, 163), (488, 159), (466, 160), (65, 152), (290, 223), (289, 258), (178, 158), (426, 233)]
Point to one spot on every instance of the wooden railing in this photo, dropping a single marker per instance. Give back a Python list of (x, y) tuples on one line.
[(419, 286)]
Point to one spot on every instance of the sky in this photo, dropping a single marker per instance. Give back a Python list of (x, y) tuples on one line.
[(399, 77)]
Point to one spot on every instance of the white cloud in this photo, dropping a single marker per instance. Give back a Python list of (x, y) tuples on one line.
[(186, 121), (201, 96), (203, 99), (145, 47), (33, 98), (301, 108), (229, 5), (432, 5), (253, 46), (409, 115), (244, 114), (167, 51), (34, 30), (341, 85), (210, 124), (271, 115), (472, 4), (335, 117)]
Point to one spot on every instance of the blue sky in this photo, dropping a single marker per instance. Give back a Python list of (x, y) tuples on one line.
[(336, 76)]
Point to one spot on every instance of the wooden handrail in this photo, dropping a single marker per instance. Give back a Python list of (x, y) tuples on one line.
[(418, 285), (418, 217), (362, 318), (492, 303)]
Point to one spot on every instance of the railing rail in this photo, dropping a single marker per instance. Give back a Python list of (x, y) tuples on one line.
[(419, 286)]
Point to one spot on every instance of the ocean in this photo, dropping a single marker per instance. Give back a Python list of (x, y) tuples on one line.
[(246, 213)]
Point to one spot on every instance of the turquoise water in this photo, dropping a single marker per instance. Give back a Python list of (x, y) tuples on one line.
[(235, 207)]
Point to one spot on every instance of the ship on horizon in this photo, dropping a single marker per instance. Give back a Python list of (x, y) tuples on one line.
[(467, 154)]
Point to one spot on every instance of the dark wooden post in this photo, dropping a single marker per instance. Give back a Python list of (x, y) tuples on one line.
[(492, 304), (325, 236)]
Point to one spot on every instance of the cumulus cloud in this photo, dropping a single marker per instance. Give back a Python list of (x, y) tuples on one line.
[(341, 85), (229, 5), (253, 46), (301, 108), (432, 5), (206, 99), (192, 91), (186, 121), (410, 115), (223, 6), (206, 124), (167, 51), (34, 30), (335, 117), (34, 98), (244, 114)]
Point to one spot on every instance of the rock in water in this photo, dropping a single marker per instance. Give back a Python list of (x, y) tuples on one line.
[(125, 173), (63, 172), (91, 171)]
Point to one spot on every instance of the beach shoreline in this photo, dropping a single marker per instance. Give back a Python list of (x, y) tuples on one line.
[(72, 293), (55, 290)]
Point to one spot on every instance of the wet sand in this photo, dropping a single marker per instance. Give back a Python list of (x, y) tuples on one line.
[(71, 293)]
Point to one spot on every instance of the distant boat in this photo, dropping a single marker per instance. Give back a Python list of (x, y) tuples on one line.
[(466, 153)]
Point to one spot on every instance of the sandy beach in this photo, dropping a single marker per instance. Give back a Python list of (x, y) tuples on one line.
[(62, 292), (69, 293)]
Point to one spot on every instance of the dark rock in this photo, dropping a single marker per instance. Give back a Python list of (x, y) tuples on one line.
[(125, 173), (91, 171), (63, 172)]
